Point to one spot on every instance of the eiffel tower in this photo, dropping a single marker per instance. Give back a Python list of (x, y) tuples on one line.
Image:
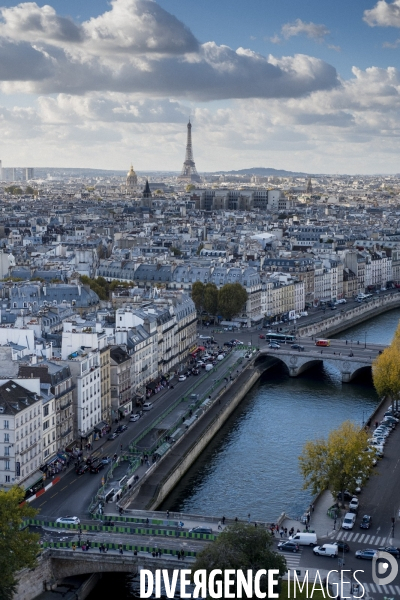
[(189, 172)]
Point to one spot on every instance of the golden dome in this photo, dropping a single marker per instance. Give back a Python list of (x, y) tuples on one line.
[(131, 172)]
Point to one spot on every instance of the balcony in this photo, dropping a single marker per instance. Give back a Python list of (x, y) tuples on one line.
[(65, 433), (22, 452), (66, 405), (65, 392)]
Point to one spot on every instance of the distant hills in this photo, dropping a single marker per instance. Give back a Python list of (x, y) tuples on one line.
[(264, 172)]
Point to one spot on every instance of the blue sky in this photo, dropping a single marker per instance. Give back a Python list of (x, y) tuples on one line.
[(295, 84)]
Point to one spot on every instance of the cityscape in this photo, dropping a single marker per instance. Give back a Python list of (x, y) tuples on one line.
[(199, 300)]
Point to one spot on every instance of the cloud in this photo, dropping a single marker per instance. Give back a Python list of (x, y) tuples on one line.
[(383, 14), (393, 45), (311, 30), (138, 47)]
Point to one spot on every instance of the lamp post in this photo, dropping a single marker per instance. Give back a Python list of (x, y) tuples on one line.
[(365, 339)]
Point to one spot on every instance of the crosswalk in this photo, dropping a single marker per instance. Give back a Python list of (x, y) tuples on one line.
[(362, 538), (387, 590), (292, 559)]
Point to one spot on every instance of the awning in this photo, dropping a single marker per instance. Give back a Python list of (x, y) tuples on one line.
[(230, 323), (163, 449), (257, 318), (87, 434), (152, 385), (32, 480)]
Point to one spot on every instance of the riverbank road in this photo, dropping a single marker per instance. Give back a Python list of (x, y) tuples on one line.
[(73, 493)]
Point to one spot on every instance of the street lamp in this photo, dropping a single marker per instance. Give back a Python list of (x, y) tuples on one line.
[(365, 339)]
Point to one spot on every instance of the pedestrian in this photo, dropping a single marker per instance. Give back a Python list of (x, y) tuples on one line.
[(219, 525), (121, 551), (334, 525), (248, 518), (167, 514), (236, 519), (182, 554), (147, 521), (281, 533), (178, 554), (312, 507), (255, 524), (285, 531), (223, 520)]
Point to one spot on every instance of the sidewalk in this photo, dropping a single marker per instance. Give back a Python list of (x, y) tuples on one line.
[(319, 520)]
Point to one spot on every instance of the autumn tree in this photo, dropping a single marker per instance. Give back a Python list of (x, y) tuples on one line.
[(241, 546), (336, 463), (231, 299), (386, 371), (18, 547)]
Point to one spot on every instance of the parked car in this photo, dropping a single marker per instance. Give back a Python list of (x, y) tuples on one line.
[(353, 505), (195, 371), (134, 418), (367, 553), (220, 356), (121, 428), (113, 435), (69, 520), (182, 378), (147, 406), (365, 522), (288, 546), (96, 466)]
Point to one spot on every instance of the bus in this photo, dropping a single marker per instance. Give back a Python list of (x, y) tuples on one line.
[(322, 342), (279, 337)]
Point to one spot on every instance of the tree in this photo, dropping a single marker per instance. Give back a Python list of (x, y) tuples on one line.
[(175, 251), (29, 190), (231, 299), (210, 299), (198, 295), (18, 547), (190, 187), (386, 370), (199, 249), (241, 546), (337, 462)]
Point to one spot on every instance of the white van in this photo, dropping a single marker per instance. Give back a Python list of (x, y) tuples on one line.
[(326, 550), (304, 539), (209, 367), (147, 406), (349, 520)]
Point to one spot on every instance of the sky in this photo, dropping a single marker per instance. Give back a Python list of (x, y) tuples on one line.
[(301, 85)]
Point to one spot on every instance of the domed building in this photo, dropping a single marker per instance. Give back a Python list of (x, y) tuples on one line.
[(131, 181)]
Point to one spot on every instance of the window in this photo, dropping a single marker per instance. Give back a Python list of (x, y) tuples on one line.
[(7, 424), (6, 437), (7, 451), (46, 410), (7, 478), (46, 425), (7, 465)]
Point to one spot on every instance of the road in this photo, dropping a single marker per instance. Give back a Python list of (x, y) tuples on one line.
[(72, 495), (336, 348)]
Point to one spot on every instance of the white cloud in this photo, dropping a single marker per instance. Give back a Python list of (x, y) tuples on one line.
[(384, 14), (138, 47), (311, 30)]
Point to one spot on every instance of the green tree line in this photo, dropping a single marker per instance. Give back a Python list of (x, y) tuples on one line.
[(227, 301), (102, 287)]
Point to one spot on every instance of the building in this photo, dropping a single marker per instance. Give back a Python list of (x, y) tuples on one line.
[(105, 380), (121, 388), (29, 173), (20, 433), (131, 181)]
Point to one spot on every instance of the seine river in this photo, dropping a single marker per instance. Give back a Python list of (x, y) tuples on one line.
[(251, 466)]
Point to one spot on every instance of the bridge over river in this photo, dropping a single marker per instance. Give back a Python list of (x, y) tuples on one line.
[(350, 358)]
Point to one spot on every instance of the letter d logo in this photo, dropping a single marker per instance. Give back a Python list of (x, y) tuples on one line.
[(381, 568)]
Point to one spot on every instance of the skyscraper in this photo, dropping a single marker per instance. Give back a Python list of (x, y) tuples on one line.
[(189, 172), (29, 173)]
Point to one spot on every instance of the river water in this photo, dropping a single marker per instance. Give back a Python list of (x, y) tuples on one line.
[(251, 466)]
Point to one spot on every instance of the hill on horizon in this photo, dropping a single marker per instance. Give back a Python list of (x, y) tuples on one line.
[(265, 172)]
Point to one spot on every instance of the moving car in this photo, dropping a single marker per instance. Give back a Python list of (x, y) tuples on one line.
[(96, 466), (366, 522), (342, 546), (288, 546), (367, 553), (147, 406), (82, 468), (354, 502), (113, 435), (200, 530), (121, 428), (182, 377), (326, 550), (274, 345), (106, 460), (262, 336), (134, 418), (297, 347), (69, 520), (391, 550)]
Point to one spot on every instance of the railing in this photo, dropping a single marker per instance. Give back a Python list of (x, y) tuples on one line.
[(72, 387), (64, 406), (65, 433)]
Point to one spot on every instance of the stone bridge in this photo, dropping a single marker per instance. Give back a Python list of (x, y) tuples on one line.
[(56, 564), (298, 362)]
